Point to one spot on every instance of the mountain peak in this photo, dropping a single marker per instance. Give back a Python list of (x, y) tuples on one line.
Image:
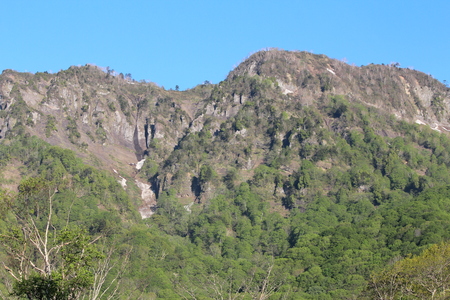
[(307, 77), (276, 63)]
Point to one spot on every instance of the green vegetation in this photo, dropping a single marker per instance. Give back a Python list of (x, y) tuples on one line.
[(425, 276), (100, 131), (72, 128), (268, 186), (111, 106), (47, 229), (50, 126), (368, 206), (372, 206)]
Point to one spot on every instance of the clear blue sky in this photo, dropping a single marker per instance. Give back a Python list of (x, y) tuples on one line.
[(187, 42)]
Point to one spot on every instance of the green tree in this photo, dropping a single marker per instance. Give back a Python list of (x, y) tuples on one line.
[(425, 276), (46, 262)]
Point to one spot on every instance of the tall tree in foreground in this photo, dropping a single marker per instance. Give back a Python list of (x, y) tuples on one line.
[(45, 261), (426, 276)]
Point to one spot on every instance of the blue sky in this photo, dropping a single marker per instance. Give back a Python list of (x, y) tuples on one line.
[(187, 42)]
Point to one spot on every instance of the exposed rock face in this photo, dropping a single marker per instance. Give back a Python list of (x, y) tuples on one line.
[(84, 107), (148, 206), (305, 77), (120, 122)]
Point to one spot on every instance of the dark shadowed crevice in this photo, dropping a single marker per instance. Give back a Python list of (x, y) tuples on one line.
[(137, 147), (147, 141), (196, 187)]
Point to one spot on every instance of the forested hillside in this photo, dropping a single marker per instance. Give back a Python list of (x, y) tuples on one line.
[(297, 177)]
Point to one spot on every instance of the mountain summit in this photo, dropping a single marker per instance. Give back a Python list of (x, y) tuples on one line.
[(406, 93)]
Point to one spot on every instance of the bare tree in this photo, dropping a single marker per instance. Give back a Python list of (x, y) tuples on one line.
[(217, 287), (101, 286), (46, 262), (42, 256), (260, 283), (262, 287)]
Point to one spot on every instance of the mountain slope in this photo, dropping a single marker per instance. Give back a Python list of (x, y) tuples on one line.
[(113, 121), (296, 177)]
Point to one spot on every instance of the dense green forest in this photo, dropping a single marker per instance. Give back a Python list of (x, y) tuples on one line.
[(388, 199)]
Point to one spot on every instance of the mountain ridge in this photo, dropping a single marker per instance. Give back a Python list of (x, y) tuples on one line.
[(114, 121), (331, 74)]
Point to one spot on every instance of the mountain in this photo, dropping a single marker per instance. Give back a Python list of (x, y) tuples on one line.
[(306, 77), (297, 169), (114, 122)]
